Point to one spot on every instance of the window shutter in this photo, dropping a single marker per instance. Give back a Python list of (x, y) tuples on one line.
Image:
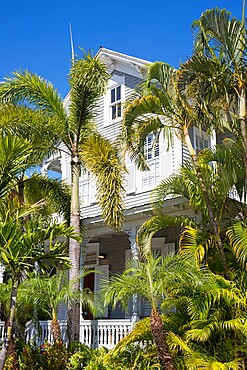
[(131, 176), (165, 159), (92, 189)]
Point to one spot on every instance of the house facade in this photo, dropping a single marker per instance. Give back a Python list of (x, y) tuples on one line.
[(104, 249)]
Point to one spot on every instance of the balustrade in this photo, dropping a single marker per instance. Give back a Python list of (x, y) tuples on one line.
[(93, 333)]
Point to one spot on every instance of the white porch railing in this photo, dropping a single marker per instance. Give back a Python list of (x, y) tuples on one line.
[(93, 333), (104, 333), (40, 332)]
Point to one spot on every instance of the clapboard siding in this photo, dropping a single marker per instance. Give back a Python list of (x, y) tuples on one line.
[(99, 112), (131, 83), (111, 131), (131, 201)]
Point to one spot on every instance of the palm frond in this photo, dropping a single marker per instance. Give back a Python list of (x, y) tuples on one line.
[(13, 160), (100, 157), (26, 87), (237, 236), (88, 81), (219, 34), (52, 191), (156, 223), (39, 128)]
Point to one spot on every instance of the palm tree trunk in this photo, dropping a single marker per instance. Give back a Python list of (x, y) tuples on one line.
[(160, 341), (212, 219), (73, 321), (55, 327), (7, 340)]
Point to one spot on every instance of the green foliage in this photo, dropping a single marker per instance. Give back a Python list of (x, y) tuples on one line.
[(140, 334), (55, 194), (132, 356), (52, 357), (80, 359), (103, 160), (13, 155)]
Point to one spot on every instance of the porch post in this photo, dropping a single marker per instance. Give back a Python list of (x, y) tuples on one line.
[(135, 257)]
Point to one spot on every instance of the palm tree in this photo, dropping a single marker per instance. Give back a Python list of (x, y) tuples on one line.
[(214, 334), (71, 126), (223, 169), (50, 292), (161, 107), (13, 154), (19, 250), (153, 279), (219, 64)]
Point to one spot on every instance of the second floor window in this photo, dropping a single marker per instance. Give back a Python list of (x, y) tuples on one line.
[(115, 106), (151, 147)]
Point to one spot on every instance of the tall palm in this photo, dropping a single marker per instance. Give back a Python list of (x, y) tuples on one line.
[(19, 250), (220, 66), (72, 126), (161, 108)]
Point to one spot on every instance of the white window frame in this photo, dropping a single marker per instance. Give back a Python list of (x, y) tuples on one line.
[(117, 103), (115, 82), (150, 178), (87, 182)]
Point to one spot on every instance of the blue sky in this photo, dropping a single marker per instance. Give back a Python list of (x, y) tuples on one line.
[(34, 35)]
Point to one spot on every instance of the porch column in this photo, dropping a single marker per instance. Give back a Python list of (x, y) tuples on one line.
[(135, 257)]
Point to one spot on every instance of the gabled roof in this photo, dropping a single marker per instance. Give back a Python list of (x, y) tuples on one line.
[(115, 55), (113, 58)]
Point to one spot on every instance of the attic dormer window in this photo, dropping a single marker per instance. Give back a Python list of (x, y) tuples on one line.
[(115, 106), (114, 100)]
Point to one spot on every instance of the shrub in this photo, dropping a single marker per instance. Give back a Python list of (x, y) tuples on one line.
[(49, 356)]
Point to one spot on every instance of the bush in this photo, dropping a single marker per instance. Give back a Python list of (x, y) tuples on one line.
[(52, 357), (79, 357)]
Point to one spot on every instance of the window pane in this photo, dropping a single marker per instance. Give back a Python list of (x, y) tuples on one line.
[(113, 96), (118, 93), (113, 112), (119, 110)]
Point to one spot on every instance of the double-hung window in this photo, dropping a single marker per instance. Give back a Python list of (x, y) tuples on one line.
[(114, 99), (151, 147), (115, 106), (151, 153)]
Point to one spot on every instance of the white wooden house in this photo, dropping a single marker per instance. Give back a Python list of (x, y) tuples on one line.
[(105, 249)]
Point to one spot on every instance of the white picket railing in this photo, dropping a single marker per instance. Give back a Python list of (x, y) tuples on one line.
[(104, 333), (41, 332), (93, 333)]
